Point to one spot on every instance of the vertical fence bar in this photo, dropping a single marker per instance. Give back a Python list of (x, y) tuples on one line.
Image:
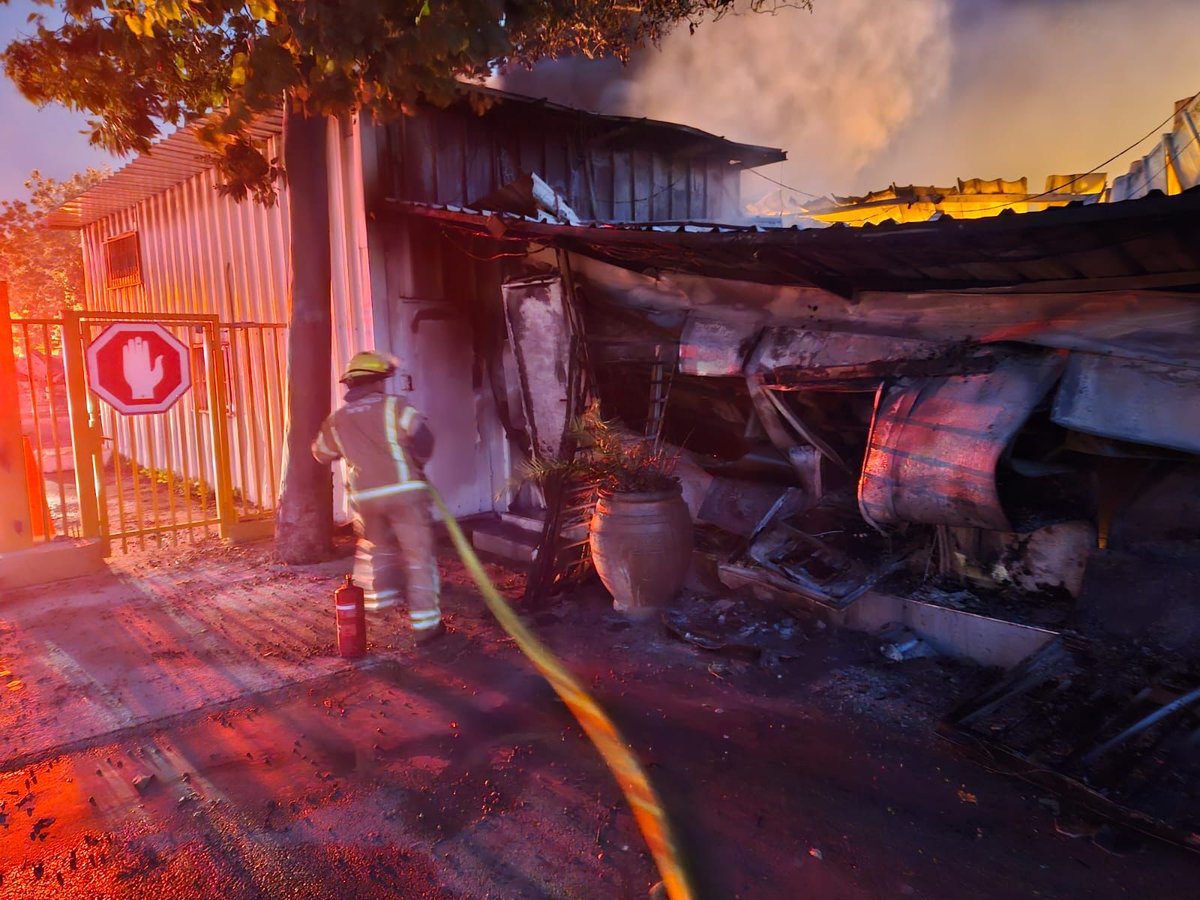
[(281, 400), (86, 446), (26, 343), (135, 478), (152, 477), (56, 433), (240, 414), (186, 471), (16, 533), (258, 451), (171, 485), (226, 514), (119, 499), (267, 500), (202, 480)]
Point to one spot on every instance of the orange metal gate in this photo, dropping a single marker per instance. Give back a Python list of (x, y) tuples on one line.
[(207, 466)]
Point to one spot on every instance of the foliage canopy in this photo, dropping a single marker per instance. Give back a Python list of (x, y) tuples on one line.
[(138, 66), (43, 268)]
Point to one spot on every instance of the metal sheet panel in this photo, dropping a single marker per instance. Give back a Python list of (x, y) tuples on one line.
[(1131, 400), (795, 348), (935, 442), (1172, 166), (425, 294), (203, 254), (174, 160), (709, 347), (540, 335), (1155, 325), (200, 254), (1030, 254)]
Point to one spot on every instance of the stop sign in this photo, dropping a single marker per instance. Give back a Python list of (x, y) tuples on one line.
[(138, 367)]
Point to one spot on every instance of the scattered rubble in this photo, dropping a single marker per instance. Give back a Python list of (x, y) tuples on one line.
[(897, 642), (735, 625), (1110, 726), (1044, 609), (826, 552)]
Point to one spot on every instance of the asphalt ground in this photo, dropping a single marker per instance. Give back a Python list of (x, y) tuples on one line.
[(182, 728)]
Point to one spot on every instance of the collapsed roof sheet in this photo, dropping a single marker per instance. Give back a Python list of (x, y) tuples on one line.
[(1151, 243)]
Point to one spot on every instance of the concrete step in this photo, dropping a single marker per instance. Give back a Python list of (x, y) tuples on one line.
[(533, 521), (506, 540), (536, 521)]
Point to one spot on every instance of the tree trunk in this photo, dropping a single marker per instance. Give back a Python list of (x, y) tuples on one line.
[(304, 520)]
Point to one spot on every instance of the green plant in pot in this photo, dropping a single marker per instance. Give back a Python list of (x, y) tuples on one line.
[(641, 532)]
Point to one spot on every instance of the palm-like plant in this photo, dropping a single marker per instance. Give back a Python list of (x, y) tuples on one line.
[(610, 458)]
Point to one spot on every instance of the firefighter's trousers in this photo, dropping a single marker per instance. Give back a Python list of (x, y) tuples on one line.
[(396, 556)]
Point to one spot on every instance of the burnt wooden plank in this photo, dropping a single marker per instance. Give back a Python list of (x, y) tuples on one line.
[(450, 137), (623, 184), (680, 205), (697, 190), (643, 184)]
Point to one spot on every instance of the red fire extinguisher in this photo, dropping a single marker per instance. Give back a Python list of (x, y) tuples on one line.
[(351, 615)]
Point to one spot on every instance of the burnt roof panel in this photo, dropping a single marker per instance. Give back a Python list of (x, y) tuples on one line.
[(1084, 247)]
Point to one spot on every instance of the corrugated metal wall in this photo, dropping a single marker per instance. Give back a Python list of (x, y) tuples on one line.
[(455, 157), (204, 254), (200, 253), (1173, 166), (353, 318), (353, 322)]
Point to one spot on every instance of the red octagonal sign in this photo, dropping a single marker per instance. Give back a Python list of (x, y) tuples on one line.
[(138, 367)]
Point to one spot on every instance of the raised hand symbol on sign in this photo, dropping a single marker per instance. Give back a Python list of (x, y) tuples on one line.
[(141, 377)]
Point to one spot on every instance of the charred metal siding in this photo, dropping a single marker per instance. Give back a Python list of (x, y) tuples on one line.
[(431, 312), (457, 158)]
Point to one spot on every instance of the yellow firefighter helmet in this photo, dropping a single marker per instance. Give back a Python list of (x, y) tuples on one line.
[(366, 364)]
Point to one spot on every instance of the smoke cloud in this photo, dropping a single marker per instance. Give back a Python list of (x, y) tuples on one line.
[(862, 93), (831, 87), (1048, 87)]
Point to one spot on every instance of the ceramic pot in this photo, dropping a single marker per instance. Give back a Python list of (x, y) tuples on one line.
[(641, 545)]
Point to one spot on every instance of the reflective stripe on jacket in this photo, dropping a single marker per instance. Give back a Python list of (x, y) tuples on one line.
[(383, 439)]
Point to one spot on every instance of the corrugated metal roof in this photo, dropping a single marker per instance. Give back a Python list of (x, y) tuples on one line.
[(171, 161), (1150, 243), (746, 156), (180, 156)]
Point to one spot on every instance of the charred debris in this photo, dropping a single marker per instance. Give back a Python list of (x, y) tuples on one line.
[(990, 451), (928, 431)]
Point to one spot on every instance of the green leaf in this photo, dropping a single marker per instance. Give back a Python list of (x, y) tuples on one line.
[(425, 11)]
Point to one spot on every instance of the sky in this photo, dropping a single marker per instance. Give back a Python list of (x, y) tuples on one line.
[(864, 93), (49, 139), (860, 92)]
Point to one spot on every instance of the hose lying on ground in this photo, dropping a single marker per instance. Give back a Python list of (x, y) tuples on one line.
[(647, 808)]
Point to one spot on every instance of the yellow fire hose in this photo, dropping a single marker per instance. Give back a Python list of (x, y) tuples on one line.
[(647, 808)]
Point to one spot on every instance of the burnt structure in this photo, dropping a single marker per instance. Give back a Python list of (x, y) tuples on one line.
[(986, 380)]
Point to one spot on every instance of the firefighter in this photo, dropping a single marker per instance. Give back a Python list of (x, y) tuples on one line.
[(386, 443)]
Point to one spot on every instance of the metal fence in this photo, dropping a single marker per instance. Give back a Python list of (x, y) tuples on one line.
[(256, 360), (207, 466), (46, 428)]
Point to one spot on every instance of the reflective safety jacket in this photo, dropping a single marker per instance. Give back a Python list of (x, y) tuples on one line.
[(383, 439)]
